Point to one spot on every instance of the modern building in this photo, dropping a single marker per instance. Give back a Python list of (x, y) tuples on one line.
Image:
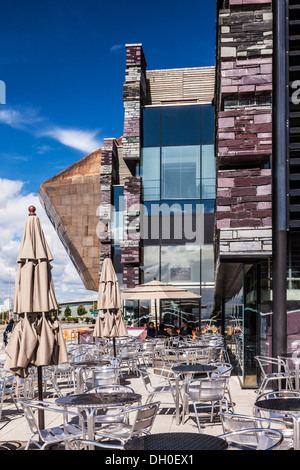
[(153, 191), (202, 190)]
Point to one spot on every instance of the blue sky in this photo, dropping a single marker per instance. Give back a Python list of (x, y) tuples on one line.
[(63, 64)]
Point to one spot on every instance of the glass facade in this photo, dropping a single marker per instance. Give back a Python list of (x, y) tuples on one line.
[(178, 184), (248, 320)]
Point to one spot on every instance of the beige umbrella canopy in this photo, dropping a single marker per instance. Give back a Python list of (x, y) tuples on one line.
[(110, 322), (36, 339), (156, 290)]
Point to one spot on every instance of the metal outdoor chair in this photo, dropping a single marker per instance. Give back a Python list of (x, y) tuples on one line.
[(224, 369), (158, 381), (128, 357), (280, 375), (42, 438), (7, 391), (85, 444), (261, 439), (285, 421), (232, 422), (102, 375), (205, 393), (142, 422), (101, 415)]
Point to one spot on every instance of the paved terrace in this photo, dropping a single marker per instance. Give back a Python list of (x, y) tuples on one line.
[(14, 430)]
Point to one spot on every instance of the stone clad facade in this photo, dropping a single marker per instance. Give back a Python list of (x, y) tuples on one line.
[(244, 128)]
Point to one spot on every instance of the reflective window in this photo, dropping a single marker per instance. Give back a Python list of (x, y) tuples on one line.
[(151, 262), (150, 172), (151, 126), (208, 177), (207, 124), (180, 125), (207, 264), (117, 224), (180, 178), (180, 264)]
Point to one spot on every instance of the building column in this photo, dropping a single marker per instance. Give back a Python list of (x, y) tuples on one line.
[(134, 96)]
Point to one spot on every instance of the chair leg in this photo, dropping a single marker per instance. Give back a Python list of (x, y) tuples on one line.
[(149, 398), (197, 418)]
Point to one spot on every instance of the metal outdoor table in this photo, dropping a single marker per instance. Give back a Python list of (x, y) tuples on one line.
[(286, 406), (176, 441), (90, 402), (203, 369)]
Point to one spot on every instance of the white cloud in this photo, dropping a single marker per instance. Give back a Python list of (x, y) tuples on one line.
[(85, 141), (13, 213), (20, 118), (29, 119), (116, 48)]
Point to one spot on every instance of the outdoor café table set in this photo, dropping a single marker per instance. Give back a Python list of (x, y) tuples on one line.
[(182, 372), (288, 406), (89, 403)]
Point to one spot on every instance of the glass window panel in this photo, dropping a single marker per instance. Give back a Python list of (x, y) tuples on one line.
[(151, 127), (208, 180), (150, 172), (207, 123), (207, 302), (180, 264), (180, 125), (207, 264), (180, 172), (117, 224), (151, 263)]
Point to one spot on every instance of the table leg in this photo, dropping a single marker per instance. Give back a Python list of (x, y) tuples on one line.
[(297, 376), (177, 400), (296, 420)]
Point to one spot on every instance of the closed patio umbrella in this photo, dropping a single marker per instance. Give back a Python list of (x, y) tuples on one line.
[(156, 290), (110, 322), (36, 340)]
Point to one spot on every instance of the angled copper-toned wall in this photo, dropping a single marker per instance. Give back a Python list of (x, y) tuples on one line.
[(71, 200)]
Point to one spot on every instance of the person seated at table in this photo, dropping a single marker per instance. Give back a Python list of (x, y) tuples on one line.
[(185, 330), (162, 331), (151, 332)]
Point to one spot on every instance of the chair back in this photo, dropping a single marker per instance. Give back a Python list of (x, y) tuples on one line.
[(30, 418), (145, 378), (104, 376), (144, 419), (112, 388), (212, 388), (267, 364), (254, 438)]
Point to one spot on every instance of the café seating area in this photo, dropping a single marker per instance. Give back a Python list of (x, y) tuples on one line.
[(139, 393)]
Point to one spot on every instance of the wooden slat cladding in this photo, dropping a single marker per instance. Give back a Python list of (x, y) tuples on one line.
[(192, 85)]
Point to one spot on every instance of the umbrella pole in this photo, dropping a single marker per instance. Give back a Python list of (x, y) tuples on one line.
[(40, 397), (155, 309), (114, 346)]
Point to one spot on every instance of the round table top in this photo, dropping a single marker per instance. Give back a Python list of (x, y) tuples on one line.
[(197, 368), (288, 405), (99, 399), (93, 363), (176, 441)]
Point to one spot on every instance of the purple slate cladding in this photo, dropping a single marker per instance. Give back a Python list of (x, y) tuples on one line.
[(246, 200), (244, 118), (244, 132)]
